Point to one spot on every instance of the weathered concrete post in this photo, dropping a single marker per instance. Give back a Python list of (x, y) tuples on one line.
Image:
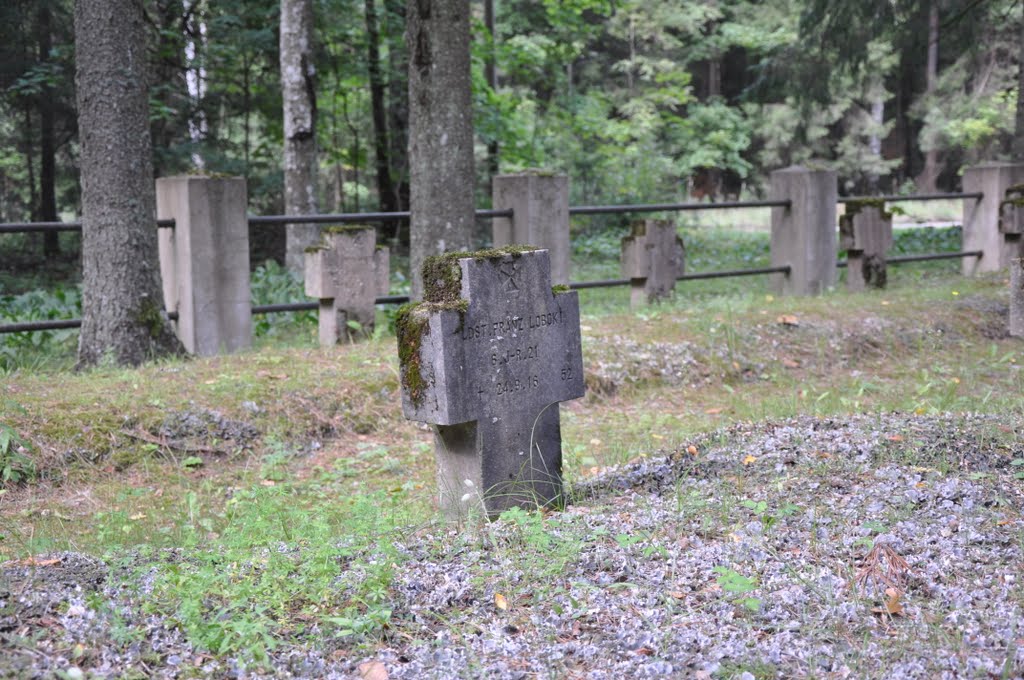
[(486, 358), (1017, 297), (804, 234), (865, 233), (981, 218), (540, 206), (204, 261), (346, 272), (653, 257)]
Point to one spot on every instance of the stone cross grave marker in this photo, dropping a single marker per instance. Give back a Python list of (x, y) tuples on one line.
[(346, 272), (1011, 214), (865, 233), (486, 359), (653, 257)]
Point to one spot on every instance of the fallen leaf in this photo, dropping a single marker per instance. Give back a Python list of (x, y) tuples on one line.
[(893, 606), (500, 602), (36, 562), (137, 516), (677, 595), (268, 482), (789, 363), (749, 459), (645, 651), (692, 450), (595, 442), (788, 320), (373, 670), (713, 411), (895, 438)]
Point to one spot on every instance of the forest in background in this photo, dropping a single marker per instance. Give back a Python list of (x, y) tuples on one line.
[(635, 100)]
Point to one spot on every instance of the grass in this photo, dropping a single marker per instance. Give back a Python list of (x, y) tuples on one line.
[(157, 461)]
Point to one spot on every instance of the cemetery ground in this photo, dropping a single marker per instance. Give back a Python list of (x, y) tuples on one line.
[(759, 487)]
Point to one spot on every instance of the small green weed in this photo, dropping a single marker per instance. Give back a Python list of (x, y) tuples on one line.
[(738, 587), (16, 467)]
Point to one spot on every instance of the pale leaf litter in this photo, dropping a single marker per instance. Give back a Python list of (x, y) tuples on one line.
[(871, 546)]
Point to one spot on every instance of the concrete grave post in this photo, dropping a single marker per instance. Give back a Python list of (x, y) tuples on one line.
[(486, 359), (804, 234), (1017, 297), (1011, 221), (204, 261), (540, 207), (653, 257), (346, 272), (982, 217), (865, 233)]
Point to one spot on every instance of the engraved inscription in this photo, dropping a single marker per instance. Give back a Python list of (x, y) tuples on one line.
[(515, 355), (513, 385), (513, 324)]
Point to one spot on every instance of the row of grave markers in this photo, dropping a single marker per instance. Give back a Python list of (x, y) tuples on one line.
[(495, 347), (204, 260)]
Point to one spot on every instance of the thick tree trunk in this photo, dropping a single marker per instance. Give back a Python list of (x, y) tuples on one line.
[(386, 196), (47, 143), (122, 302), (930, 173), (440, 131), (298, 91)]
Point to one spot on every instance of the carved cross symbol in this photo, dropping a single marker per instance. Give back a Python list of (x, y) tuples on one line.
[(511, 271)]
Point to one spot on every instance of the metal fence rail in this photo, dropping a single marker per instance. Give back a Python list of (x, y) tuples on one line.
[(893, 198), (62, 324), (28, 227), (671, 207)]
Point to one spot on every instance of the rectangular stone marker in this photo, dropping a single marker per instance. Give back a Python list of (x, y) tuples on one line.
[(486, 358), (653, 257), (865, 233), (346, 272), (1011, 213)]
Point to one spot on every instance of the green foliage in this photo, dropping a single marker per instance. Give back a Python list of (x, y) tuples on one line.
[(273, 284), (244, 588), (24, 349), (16, 466), (738, 587)]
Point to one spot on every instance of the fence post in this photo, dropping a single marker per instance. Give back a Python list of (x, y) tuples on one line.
[(804, 234), (204, 261), (540, 205), (981, 217)]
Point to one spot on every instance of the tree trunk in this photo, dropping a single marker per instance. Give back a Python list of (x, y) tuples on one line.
[(47, 143), (386, 196), (1017, 147), (930, 173), (491, 75), (122, 303), (298, 93), (398, 111), (440, 131)]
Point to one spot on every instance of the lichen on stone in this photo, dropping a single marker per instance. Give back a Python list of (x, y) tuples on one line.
[(442, 274)]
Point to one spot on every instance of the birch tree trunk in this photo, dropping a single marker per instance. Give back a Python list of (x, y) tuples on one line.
[(298, 93), (440, 131), (122, 302)]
